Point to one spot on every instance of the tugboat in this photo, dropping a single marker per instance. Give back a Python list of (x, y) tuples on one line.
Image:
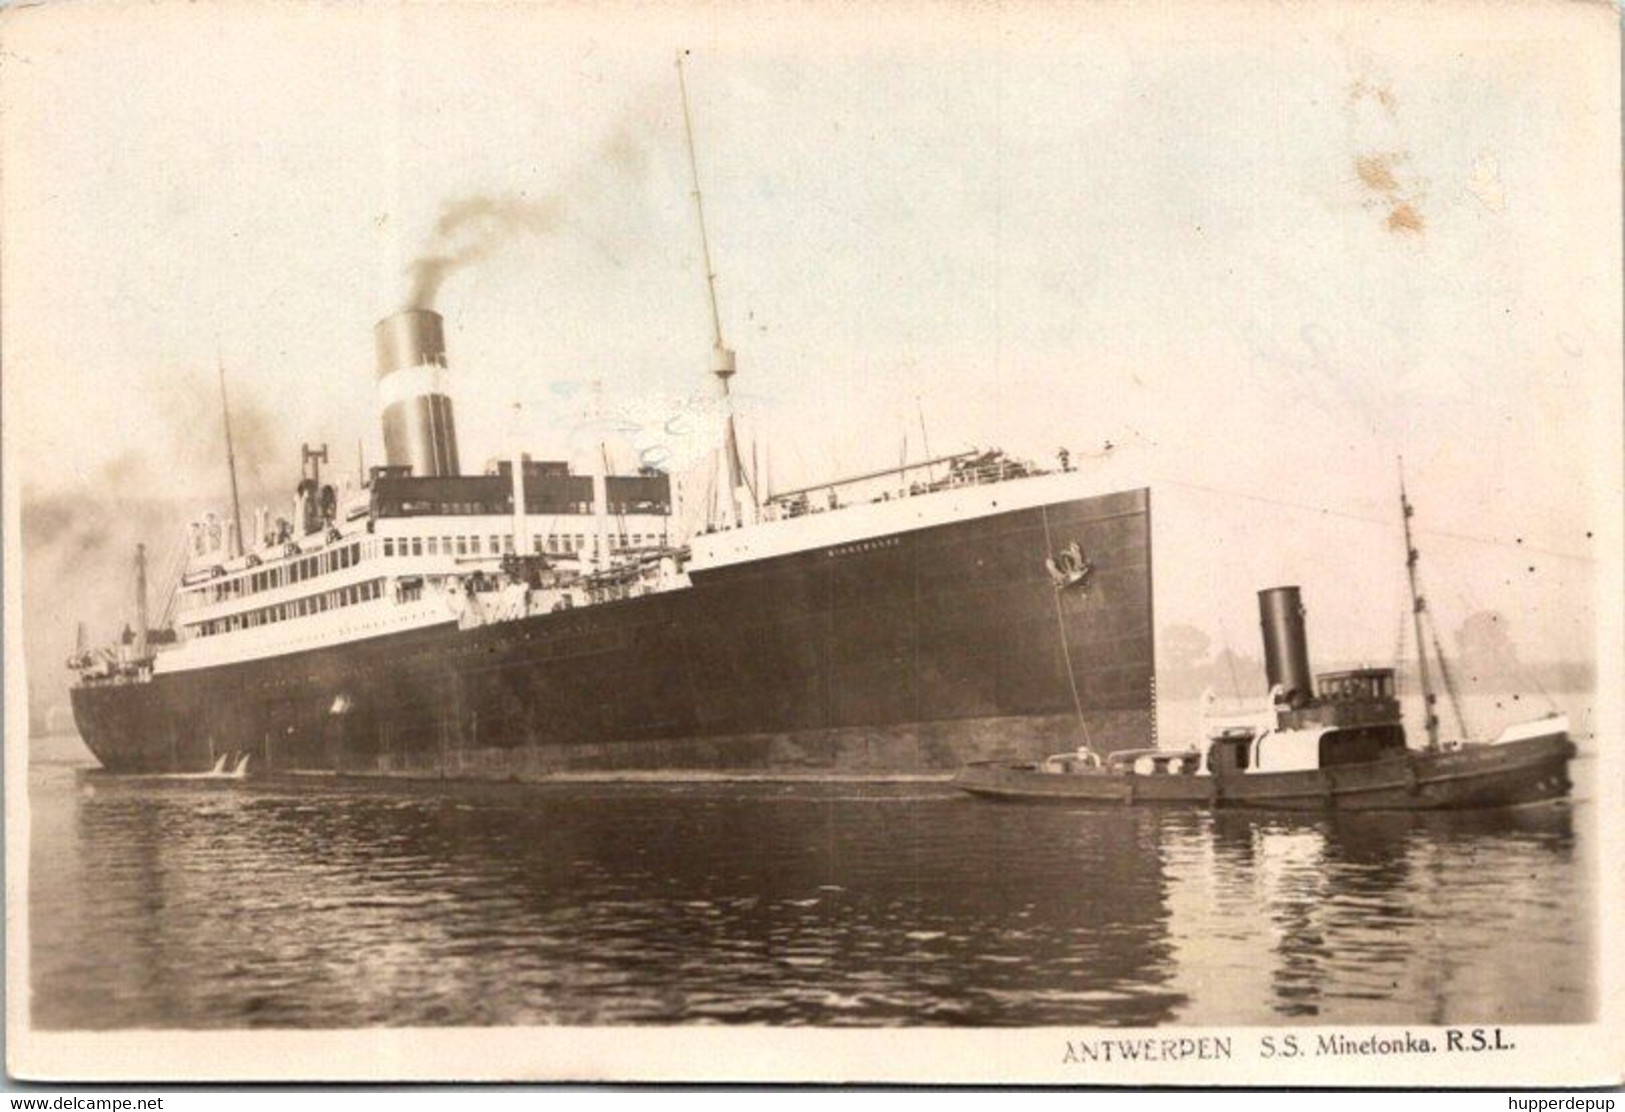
[(1338, 745)]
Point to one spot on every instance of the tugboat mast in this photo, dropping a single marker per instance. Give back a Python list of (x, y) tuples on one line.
[(723, 363), (1418, 605)]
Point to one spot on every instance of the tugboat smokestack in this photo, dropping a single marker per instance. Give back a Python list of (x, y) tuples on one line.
[(418, 428), (1286, 645)]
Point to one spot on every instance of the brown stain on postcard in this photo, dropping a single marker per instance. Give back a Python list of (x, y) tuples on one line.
[(1375, 172), (1384, 176), (1404, 218)]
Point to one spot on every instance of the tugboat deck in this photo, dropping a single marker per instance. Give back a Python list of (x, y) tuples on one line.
[(1530, 770)]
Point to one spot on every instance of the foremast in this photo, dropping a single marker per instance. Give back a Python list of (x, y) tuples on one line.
[(237, 546), (724, 364)]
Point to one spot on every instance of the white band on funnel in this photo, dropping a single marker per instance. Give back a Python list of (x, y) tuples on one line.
[(411, 382)]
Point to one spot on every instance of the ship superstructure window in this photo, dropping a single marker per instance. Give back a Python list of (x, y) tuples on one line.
[(314, 604), (550, 488), (295, 571)]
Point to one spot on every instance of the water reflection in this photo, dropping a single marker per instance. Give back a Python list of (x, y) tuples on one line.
[(210, 904), (1384, 918)]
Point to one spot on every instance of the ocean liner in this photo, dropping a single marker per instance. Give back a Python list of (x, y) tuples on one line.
[(531, 620)]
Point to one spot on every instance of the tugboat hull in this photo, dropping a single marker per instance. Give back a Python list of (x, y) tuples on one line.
[(1511, 774)]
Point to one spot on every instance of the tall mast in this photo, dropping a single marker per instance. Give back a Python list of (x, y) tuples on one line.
[(600, 509), (723, 363), (231, 465), (141, 602), (1418, 605)]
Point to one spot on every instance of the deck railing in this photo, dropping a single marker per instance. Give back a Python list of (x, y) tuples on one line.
[(966, 469)]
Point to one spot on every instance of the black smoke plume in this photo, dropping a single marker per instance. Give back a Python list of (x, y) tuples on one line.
[(471, 229), (597, 197)]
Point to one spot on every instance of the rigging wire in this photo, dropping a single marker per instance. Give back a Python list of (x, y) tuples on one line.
[(1509, 660), (1449, 681), (620, 514), (1368, 519), (174, 567), (1401, 637), (747, 479)]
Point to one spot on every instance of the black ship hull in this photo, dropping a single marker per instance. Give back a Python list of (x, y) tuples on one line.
[(906, 653)]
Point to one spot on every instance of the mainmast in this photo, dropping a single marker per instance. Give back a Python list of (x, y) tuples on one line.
[(723, 363), (1418, 605), (231, 466)]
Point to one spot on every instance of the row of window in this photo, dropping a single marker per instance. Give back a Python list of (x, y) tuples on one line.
[(349, 555), (466, 545), (298, 608), (431, 507), (496, 545), (294, 571)]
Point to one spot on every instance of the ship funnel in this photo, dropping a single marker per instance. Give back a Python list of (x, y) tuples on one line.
[(418, 429), (1286, 645)]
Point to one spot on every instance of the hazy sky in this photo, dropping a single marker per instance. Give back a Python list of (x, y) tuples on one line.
[(1260, 249)]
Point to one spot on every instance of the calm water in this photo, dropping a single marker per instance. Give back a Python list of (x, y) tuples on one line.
[(197, 903)]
